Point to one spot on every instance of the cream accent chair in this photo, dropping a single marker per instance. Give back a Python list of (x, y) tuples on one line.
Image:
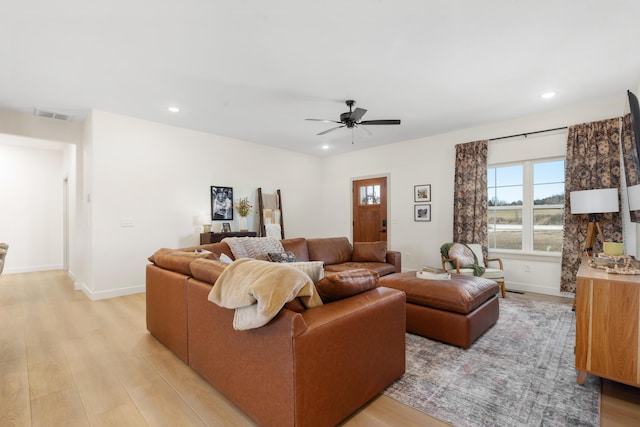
[(3, 254), (495, 274)]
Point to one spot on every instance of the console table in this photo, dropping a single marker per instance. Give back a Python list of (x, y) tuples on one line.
[(607, 325), (216, 237)]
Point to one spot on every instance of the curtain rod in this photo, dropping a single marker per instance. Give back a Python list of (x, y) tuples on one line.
[(528, 133)]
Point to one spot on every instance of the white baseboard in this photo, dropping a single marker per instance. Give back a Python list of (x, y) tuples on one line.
[(111, 293), (32, 269), (537, 289)]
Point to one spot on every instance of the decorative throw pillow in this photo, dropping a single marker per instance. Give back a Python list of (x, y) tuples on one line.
[(312, 268), (341, 285), (287, 256), (369, 252), (253, 247), (462, 253)]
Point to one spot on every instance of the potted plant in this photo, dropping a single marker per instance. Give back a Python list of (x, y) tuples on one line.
[(243, 207)]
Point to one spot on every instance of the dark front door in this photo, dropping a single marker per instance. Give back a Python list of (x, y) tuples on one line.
[(370, 210)]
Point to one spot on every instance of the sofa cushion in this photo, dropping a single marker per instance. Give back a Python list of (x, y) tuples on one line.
[(298, 246), (179, 260), (287, 256), (369, 251), (382, 268), (331, 250), (207, 270), (341, 285), (152, 258)]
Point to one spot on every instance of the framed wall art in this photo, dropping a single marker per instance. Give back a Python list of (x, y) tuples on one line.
[(422, 193), (221, 203), (422, 212)]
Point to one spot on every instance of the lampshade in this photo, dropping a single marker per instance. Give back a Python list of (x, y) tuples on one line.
[(594, 201), (633, 193)]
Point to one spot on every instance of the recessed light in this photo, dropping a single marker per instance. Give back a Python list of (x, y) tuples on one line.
[(174, 109), (325, 147), (548, 95)]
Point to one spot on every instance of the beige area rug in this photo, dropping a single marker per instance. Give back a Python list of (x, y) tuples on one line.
[(519, 373)]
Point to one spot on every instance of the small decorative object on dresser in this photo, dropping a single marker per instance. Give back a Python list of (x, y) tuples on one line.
[(226, 227), (243, 207)]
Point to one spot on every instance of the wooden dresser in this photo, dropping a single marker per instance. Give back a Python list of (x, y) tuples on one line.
[(212, 237), (607, 325)]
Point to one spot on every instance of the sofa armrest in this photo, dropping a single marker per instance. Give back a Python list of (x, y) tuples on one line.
[(395, 258)]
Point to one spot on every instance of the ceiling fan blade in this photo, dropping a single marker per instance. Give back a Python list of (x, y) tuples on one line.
[(332, 129), (357, 114), (380, 122), (323, 120)]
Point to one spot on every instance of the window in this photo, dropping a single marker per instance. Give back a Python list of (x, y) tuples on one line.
[(526, 206), (370, 195)]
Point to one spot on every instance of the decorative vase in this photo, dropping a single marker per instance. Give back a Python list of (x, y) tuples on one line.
[(243, 223)]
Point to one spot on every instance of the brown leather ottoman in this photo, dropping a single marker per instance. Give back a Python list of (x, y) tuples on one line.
[(455, 311)]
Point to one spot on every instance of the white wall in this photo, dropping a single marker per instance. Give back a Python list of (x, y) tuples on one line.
[(31, 200), (431, 160), (159, 177)]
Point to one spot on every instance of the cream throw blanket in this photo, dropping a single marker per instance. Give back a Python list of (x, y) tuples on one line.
[(258, 290)]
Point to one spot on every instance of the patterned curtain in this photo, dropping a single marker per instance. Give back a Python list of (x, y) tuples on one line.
[(592, 162), (630, 156), (470, 194)]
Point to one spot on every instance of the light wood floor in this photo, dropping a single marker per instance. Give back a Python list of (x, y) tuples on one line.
[(66, 360)]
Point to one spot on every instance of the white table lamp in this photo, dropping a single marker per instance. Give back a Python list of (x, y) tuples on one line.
[(593, 202)]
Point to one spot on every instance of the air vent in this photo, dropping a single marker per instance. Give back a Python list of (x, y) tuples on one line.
[(52, 115)]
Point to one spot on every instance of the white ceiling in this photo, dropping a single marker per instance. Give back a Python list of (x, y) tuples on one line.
[(254, 70)]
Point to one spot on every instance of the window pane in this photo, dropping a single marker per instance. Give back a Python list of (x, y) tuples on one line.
[(508, 196), (370, 195), (509, 175), (548, 172), (505, 228), (547, 229), (548, 194)]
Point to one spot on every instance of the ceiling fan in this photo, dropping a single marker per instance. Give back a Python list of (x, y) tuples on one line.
[(351, 119)]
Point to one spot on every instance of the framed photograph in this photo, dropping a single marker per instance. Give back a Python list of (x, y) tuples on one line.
[(221, 203), (422, 212), (226, 227), (422, 193)]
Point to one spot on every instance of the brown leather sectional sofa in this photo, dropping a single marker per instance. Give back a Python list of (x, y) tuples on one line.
[(310, 367)]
